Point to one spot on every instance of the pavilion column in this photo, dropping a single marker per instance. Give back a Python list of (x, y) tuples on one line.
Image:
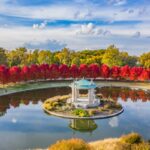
[(77, 94), (73, 92), (89, 95)]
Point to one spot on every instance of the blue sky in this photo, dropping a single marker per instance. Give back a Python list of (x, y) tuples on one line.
[(77, 24)]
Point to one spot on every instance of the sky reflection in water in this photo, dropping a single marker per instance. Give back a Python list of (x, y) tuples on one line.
[(23, 124)]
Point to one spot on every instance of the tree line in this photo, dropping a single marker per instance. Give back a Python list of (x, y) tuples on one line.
[(111, 56), (45, 71)]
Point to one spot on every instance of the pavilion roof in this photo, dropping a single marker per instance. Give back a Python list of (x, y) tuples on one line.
[(85, 84)]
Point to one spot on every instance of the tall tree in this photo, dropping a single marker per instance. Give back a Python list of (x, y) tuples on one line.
[(112, 57), (17, 57), (3, 57), (44, 57), (145, 60)]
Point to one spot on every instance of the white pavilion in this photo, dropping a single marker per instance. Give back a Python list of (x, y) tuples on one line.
[(87, 101)]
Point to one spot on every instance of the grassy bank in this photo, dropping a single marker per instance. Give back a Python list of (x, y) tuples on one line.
[(131, 141)]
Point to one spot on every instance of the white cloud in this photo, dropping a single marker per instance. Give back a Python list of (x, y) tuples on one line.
[(117, 2), (40, 26), (48, 45), (91, 29), (78, 12), (121, 36), (86, 29)]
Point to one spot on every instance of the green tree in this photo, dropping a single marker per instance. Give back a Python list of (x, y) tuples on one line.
[(76, 61), (3, 57), (112, 57), (44, 56), (64, 56), (144, 60), (17, 57)]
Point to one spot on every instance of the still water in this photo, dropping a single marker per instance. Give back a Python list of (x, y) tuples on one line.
[(24, 125)]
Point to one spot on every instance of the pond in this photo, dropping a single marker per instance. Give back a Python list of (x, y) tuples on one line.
[(24, 125)]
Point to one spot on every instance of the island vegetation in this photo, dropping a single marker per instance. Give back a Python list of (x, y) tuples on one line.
[(58, 106)]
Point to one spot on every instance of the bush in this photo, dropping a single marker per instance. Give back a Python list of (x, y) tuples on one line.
[(72, 144), (133, 138), (141, 146), (93, 112), (81, 113)]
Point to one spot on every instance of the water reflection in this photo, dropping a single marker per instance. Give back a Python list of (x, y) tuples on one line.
[(24, 125), (36, 96), (82, 125)]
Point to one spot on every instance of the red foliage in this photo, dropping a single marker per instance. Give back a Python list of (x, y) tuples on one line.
[(25, 73), (144, 75), (35, 72), (94, 70), (64, 71), (83, 70), (44, 71), (54, 71), (74, 71), (125, 72), (4, 74), (135, 72), (105, 71), (115, 72), (15, 74)]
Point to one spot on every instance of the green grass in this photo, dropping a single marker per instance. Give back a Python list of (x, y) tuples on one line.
[(31, 86)]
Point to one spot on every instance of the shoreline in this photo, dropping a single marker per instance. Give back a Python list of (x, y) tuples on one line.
[(23, 87)]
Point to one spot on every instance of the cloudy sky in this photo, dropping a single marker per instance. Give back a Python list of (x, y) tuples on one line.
[(77, 24)]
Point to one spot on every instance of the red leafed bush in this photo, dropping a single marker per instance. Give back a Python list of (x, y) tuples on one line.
[(64, 71), (83, 70), (54, 71), (125, 72), (115, 72), (35, 72), (25, 73), (94, 70), (144, 75), (44, 71), (135, 72), (4, 74), (74, 71), (105, 71), (15, 74)]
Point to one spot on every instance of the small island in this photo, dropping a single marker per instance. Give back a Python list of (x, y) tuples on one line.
[(83, 106)]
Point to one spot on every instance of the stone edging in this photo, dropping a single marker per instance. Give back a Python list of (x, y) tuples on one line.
[(75, 117)]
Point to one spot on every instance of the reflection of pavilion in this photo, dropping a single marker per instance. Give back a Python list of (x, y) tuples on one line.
[(87, 101), (82, 125), (2, 114)]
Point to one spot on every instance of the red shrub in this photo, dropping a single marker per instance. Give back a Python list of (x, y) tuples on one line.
[(115, 72), (64, 71), (74, 71), (15, 74), (84, 70), (105, 71), (94, 70)]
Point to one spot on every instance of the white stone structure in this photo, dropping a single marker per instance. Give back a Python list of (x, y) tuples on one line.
[(83, 102)]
